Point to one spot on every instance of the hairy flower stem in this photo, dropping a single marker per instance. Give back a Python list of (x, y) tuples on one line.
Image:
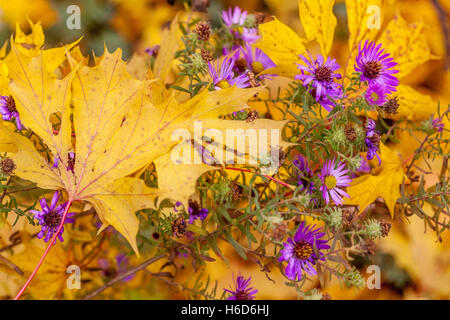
[(66, 210), (268, 177)]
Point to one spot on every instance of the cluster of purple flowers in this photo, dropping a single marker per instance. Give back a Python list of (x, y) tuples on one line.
[(242, 64), (375, 67)]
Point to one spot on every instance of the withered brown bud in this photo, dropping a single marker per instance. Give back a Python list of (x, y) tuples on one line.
[(203, 30), (375, 139), (253, 81), (7, 166), (261, 17), (252, 116), (350, 132), (206, 55), (391, 106), (385, 228), (236, 191), (179, 227), (347, 216)]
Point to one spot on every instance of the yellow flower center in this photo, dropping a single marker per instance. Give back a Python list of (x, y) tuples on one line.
[(330, 182), (374, 96), (257, 67), (223, 84), (303, 250)]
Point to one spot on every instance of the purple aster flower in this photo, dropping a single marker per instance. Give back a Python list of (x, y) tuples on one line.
[(50, 217), (376, 67), (196, 212), (223, 76), (372, 140), (375, 95), (332, 177), (301, 253), (8, 110), (438, 125), (243, 290), (121, 267), (234, 18), (305, 174), (255, 59), (321, 75)]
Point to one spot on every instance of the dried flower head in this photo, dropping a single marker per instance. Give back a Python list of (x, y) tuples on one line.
[(179, 227), (203, 30), (252, 116), (385, 228), (350, 132), (206, 55), (391, 106), (237, 192), (7, 166)]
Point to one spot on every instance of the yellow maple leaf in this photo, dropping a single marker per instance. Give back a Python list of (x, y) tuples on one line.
[(407, 44), (282, 45), (319, 22), (118, 131), (366, 189), (171, 42), (413, 105)]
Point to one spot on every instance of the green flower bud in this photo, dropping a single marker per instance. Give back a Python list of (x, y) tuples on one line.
[(250, 21), (360, 137), (336, 137), (334, 218), (354, 278), (198, 63), (372, 229), (304, 199), (313, 294), (354, 163)]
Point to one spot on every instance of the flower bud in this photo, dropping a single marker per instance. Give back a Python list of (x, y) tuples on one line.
[(372, 229)]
